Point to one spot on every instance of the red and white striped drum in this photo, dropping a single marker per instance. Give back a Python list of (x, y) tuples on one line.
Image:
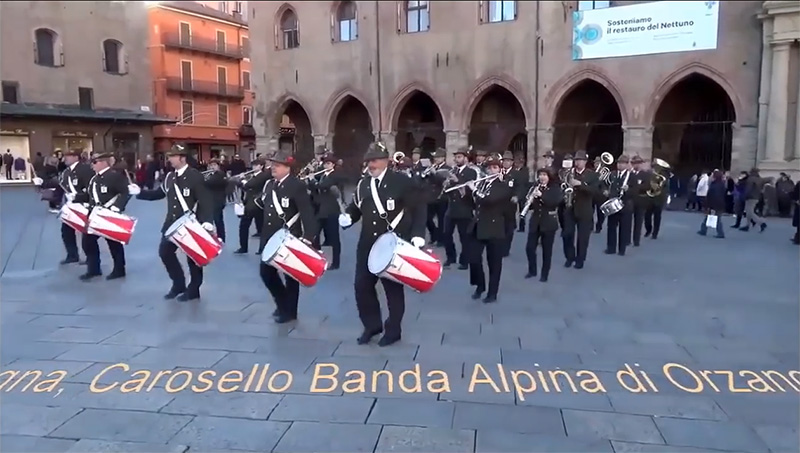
[(75, 216), (395, 259), (111, 225), (199, 244), (294, 258)]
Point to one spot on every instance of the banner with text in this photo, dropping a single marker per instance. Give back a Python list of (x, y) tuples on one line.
[(645, 28)]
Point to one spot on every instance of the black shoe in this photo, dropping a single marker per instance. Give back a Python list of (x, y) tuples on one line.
[(283, 319), (655, 236), (598, 230), (366, 336), (747, 228), (258, 252), (763, 227), (579, 265), (608, 252), (70, 260), (333, 267), (636, 244), (386, 340), (276, 313), (448, 263), (530, 275), (795, 241), (489, 299), (568, 263), (240, 251), (463, 267), (115, 275), (647, 234), (477, 294), (89, 275), (83, 263), (521, 230), (621, 253), (187, 296), (174, 292), (735, 226), (256, 235), (543, 278)]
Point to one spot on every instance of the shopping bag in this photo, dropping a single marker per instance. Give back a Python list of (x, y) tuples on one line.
[(711, 221)]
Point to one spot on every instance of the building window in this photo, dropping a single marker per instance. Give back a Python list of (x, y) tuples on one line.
[(247, 114), (223, 6), (113, 57), (246, 46), (185, 33), (46, 48), (417, 16), (186, 74), (246, 80), (10, 92), (187, 112), (500, 11), (222, 114), (289, 31), (221, 40), (86, 98), (238, 8), (586, 6), (347, 22)]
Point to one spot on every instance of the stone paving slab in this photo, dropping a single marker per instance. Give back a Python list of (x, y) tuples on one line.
[(661, 303)]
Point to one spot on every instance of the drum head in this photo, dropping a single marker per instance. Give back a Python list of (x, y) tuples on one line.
[(176, 224), (274, 244), (381, 253)]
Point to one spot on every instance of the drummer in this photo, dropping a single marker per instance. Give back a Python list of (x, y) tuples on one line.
[(107, 189), (385, 201), (619, 224), (185, 191), (286, 200), (75, 179)]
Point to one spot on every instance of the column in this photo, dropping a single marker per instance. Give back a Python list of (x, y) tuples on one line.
[(638, 141), (778, 104), (764, 88), (454, 140), (389, 139), (797, 125), (743, 147)]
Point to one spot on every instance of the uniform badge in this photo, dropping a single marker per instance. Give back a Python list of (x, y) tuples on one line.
[(186, 192), (284, 202), (103, 189), (510, 183), (390, 204), (75, 181)]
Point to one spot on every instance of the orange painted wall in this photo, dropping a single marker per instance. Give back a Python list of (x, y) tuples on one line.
[(166, 62)]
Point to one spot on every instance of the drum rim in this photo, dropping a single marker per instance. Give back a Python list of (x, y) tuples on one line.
[(285, 232), (180, 221), (393, 237)]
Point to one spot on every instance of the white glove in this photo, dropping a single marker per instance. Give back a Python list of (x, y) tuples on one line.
[(208, 227), (70, 197), (418, 242), (37, 181), (133, 189), (114, 208), (345, 220)]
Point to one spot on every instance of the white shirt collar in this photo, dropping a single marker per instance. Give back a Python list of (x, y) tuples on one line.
[(280, 181), (103, 170), (379, 178), (181, 170), (74, 164)]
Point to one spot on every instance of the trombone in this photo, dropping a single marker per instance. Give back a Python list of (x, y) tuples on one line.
[(473, 183), (244, 177), (313, 175)]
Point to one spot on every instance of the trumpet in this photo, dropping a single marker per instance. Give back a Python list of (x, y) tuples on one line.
[(604, 170), (244, 177), (473, 183)]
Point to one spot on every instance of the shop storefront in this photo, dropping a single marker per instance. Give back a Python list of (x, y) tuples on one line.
[(68, 140), (16, 160)]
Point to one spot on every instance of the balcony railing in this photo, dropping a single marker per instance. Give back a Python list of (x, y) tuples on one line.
[(204, 87), (206, 45)]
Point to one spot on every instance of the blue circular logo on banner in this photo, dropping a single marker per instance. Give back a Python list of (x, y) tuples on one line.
[(591, 34)]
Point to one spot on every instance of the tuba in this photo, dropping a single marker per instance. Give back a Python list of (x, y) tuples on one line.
[(398, 157), (604, 169), (658, 182)]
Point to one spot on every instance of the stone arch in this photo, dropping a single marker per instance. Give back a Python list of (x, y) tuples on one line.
[(279, 107), (338, 100), (351, 123), (682, 73), (502, 81), (297, 135), (562, 89), (282, 10), (403, 96), (417, 120)]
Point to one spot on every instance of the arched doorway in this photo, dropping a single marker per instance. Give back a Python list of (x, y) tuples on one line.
[(498, 123), (352, 134), (589, 119), (295, 132), (693, 126), (419, 125)]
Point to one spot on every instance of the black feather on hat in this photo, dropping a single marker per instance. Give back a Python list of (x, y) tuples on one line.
[(375, 151)]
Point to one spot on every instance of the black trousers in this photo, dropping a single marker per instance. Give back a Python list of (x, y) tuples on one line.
[(520, 207), (70, 239), (598, 226), (435, 221), (619, 231), (652, 220), (450, 226), (250, 216), (167, 252), (510, 227), (285, 290), (494, 260), (575, 234), (638, 222), (369, 308), (219, 221), (92, 250), (329, 226), (546, 239), (8, 172)]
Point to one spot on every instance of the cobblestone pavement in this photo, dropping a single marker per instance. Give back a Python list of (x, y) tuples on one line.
[(702, 303)]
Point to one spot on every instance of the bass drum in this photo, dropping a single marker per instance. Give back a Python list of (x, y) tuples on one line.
[(612, 206)]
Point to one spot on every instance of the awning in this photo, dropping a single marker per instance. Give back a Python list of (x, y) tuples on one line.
[(45, 111)]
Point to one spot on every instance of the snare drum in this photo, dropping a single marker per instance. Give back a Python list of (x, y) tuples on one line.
[(394, 259), (294, 258), (612, 206), (200, 245), (111, 225), (75, 216)]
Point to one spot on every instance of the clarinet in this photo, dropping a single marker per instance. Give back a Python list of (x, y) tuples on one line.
[(530, 198)]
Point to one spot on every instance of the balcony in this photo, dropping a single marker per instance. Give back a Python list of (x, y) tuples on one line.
[(204, 45), (181, 85)]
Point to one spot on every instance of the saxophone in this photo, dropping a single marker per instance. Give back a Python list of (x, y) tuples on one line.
[(566, 188)]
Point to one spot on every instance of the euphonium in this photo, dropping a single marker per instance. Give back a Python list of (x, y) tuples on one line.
[(398, 157), (661, 169), (604, 170)]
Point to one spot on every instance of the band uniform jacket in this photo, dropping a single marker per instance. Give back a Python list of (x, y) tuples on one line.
[(544, 210), (517, 183), (491, 211), (107, 185), (398, 194), (217, 184), (253, 189), (433, 182), (77, 179), (640, 185), (192, 185), (583, 195), (617, 180), (293, 196), (325, 194), (461, 206)]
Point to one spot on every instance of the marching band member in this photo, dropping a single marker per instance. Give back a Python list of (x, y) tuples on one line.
[(416, 165), (543, 204), (217, 184), (459, 211), (384, 200), (326, 195), (107, 188), (518, 184), (286, 200), (579, 211), (252, 213), (641, 182), (525, 184), (433, 183), (75, 179), (601, 198), (654, 211), (566, 168), (489, 231), (185, 190), (619, 224), (480, 159)]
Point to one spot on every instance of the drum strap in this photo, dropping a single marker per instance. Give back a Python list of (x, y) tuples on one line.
[(67, 176), (277, 205), (181, 200), (97, 197), (373, 187), (357, 195)]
